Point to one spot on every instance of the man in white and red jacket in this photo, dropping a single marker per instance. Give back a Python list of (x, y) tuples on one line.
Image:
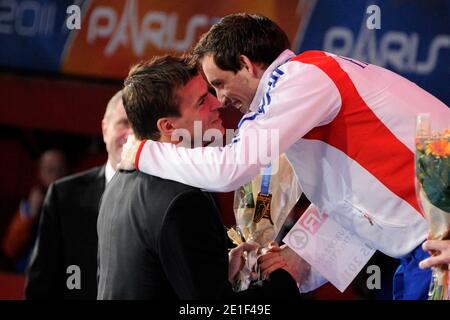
[(346, 126)]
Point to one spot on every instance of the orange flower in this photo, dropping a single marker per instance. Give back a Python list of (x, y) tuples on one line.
[(446, 133), (439, 148), (419, 145)]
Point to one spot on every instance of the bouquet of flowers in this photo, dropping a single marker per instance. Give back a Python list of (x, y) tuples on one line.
[(433, 190), (259, 221)]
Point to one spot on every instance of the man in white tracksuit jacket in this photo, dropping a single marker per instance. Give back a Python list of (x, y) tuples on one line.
[(347, 128)]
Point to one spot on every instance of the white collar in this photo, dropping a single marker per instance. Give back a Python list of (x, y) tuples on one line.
[(109, 171), (282, 58)]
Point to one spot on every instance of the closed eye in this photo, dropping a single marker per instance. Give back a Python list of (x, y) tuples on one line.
[(216, 83), (202, 99)]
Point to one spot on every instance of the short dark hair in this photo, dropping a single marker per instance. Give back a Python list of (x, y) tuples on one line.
[(149, 92), (255, 36)]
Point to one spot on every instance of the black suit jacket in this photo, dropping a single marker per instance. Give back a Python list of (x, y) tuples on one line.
[(67, 236), (159, 239)]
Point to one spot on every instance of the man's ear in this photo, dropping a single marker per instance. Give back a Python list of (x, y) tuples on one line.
[(104, 128), (247, 64), (165, 126)]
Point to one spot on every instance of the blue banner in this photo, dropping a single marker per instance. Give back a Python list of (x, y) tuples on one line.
[(33, 33), (411, 37)]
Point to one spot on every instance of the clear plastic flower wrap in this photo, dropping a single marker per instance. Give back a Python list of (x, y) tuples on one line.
[(433, 191), (262, 225)]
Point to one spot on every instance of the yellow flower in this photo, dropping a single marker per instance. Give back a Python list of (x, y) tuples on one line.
[(438, 148)]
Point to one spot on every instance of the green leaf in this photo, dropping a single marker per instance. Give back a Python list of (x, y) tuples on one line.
[(434, 175)]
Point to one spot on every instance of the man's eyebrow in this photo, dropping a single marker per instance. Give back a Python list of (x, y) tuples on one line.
[(122, 120), (203, 96)]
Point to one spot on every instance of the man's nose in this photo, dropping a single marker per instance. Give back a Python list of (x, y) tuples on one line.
[(221, 97)]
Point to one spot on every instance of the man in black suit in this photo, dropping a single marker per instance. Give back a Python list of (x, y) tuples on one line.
[(160, 239), (64, 260)]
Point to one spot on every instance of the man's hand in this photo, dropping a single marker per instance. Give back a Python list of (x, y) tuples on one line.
[(271, 259), (283, 257), (237, 261), (129, 150), (441, 255)]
